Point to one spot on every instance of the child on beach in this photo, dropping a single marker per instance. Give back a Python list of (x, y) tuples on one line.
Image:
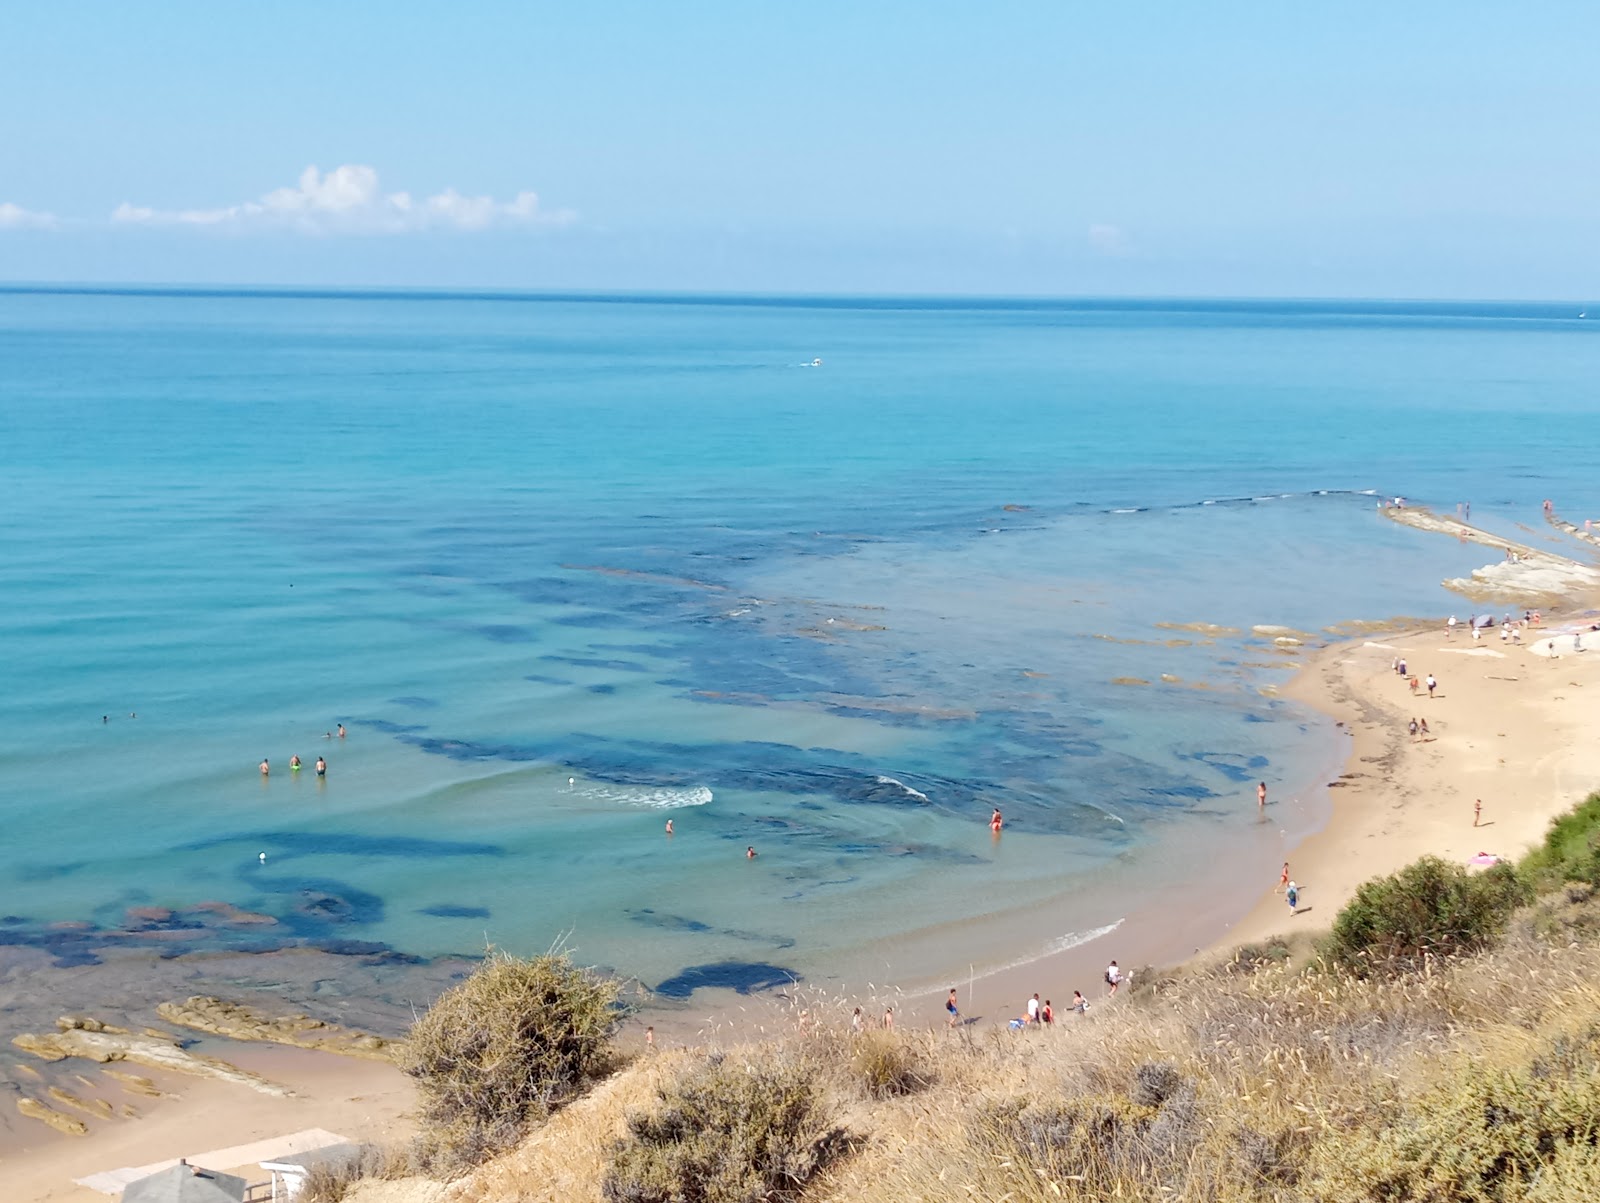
[(1293, 896), (950, 1006)]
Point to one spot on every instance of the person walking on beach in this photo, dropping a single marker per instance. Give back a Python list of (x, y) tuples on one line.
[(1113, 978), (1412, 728), (1080, 1004), (322, 767), (265, 767), (1422, 726), (950, 1007), (1477, 811), (1450, 628), (1292, 894), (1402, 666), (649, 1037), (1432, 685), (1283, 878), (1261, 795), (857, 1024), (888, 1019)]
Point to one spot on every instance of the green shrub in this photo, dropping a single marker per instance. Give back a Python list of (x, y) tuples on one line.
[(1430, 907), (726, 1132), (1570, 852), (885, 1065), (503, 1048)]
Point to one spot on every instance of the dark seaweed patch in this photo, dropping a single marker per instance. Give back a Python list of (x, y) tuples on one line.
[(347, 843), (626, 666), (602, 689), (742, 977), (452, 911), (415, 702)]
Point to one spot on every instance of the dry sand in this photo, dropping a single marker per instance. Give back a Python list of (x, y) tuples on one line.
[(363, 1100), (1510, 727)]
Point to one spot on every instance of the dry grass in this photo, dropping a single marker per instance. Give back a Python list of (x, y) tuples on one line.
[(1477, 1079)]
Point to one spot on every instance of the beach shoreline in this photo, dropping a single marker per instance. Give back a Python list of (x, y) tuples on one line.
[(1505, 728)]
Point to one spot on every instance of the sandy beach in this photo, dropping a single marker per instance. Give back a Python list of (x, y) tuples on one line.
[(1508, 726)]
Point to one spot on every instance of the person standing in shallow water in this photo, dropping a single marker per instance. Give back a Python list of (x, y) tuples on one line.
[(669, 826), (322, 767), (1261, 795), (996, 822), (265, 767)]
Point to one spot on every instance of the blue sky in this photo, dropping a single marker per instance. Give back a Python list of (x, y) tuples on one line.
[(1353, 149)]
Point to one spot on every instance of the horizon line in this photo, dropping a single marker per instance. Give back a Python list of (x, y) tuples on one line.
[(886, 300)]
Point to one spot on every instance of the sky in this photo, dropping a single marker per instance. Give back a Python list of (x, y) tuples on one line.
[(1061, 148)]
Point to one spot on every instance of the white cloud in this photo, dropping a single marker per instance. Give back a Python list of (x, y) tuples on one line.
[(15, 217), (1108, 239), (348, 200)]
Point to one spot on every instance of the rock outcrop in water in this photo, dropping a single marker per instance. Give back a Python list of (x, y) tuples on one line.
[(217, 1017)]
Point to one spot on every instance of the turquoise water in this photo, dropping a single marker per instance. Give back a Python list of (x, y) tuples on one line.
[(568, 567)]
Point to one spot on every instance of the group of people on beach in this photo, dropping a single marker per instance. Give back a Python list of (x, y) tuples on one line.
[(1037, 1013), (295, 764)]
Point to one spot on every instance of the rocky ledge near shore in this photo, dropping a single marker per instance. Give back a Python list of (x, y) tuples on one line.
[(217, 1017), (1535, 578), (92, 1040)]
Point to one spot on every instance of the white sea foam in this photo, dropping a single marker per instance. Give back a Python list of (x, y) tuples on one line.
[(655, 797), (1073, 939), (914, 793)]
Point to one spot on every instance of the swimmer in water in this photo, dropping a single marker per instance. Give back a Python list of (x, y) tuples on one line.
[(669, 826), (341, 730), (294, 764), (322, 767), (995, 821), (265, 767), (750, 852)]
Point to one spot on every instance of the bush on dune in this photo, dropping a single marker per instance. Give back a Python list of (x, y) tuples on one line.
[(727, 1132), (502, 1049), (1429, 908)]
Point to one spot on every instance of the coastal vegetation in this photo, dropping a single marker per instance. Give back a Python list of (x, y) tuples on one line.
[(503, 1049), (1441, 1043)]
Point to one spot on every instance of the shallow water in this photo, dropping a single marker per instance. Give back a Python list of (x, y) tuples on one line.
[(568, 568)]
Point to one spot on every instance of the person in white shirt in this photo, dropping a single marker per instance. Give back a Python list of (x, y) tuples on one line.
[(1113, 977), (1033, 1009)]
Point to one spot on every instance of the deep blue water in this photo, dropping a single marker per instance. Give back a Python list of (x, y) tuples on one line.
[(640, 544)]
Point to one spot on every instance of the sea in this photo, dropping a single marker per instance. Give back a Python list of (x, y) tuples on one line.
[(828, 580)]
